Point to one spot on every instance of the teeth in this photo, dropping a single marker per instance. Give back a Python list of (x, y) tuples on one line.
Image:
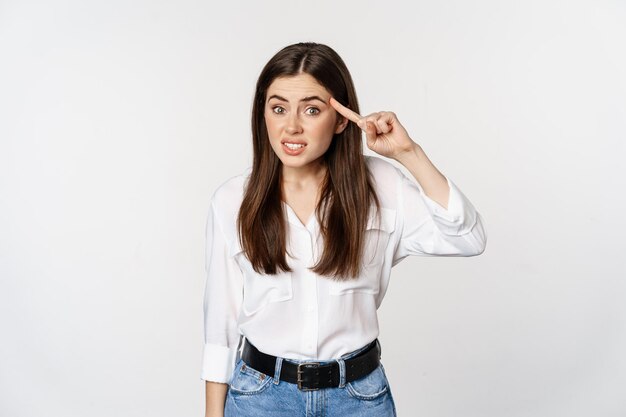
[(294, 145)]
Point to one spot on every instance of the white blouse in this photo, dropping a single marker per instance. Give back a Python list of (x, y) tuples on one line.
[(302, 315)]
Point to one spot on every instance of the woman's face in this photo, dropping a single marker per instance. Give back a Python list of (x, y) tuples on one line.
[(300, 120)]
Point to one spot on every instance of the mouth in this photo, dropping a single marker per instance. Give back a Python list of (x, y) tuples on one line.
[(293, 144), (293, 147)]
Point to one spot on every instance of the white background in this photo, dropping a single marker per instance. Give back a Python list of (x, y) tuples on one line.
[(118, 119)]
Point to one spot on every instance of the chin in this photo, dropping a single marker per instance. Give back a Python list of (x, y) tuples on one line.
[(292, 164)]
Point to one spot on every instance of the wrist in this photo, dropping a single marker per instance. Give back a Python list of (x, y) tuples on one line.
[(410, 154)]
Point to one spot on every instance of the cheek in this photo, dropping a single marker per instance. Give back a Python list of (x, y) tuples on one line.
[(323, 127), (271, 125)]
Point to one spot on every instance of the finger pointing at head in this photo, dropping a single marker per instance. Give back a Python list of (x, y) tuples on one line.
[(346, 112)]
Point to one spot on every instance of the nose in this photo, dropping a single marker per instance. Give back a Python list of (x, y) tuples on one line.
[(293, 124)]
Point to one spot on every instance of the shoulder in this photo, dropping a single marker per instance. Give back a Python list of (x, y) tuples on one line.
[(383, 171), (376, 163), (228, 195), (386, 177)]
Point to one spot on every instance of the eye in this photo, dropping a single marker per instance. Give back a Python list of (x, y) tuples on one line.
[(278, 110), (315, 111)]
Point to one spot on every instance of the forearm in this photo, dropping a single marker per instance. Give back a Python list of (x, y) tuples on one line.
[(427, 175), (215, 399)]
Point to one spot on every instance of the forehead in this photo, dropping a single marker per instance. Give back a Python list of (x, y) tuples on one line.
[(297, 86)]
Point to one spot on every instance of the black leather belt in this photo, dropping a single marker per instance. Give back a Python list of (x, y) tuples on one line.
[(312, 375)]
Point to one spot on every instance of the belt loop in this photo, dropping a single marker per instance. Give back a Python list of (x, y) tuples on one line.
[(279, 365), (342, 372)]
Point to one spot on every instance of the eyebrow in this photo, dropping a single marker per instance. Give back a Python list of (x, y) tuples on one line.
[(308, 98)]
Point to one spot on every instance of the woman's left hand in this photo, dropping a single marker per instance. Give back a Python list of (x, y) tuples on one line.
[(383, 131)]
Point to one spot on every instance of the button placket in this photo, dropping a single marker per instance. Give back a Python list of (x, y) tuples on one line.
[(309, 286)]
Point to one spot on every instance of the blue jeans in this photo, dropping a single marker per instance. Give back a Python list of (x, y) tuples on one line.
[(252, 393)]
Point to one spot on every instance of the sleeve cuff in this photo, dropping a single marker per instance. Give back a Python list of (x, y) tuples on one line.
[(460, 216), (218, 363)]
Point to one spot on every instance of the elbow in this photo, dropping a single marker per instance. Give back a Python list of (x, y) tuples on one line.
[(480, 237), (472, 248), (475, 237), (480, 248)]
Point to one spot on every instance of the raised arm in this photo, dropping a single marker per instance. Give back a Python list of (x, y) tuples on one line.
[(437, 219)]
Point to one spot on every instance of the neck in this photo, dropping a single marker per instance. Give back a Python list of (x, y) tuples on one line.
[(303, 176)]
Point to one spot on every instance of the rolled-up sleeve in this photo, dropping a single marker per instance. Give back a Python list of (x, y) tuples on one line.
[(222, 302), (430, 229)]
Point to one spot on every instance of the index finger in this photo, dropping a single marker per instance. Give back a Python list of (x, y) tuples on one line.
[(344, 111)]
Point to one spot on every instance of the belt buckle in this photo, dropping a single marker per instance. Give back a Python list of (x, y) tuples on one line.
[(299, 375)]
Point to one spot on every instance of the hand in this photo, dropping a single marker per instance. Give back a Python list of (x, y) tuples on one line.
[(383, 131)]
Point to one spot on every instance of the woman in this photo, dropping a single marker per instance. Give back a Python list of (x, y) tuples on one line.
[(300, 246)]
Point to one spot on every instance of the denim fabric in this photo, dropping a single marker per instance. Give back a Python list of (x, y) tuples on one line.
[(252, 393)]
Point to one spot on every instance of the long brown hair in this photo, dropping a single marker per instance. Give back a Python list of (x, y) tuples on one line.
[(346, 191)]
